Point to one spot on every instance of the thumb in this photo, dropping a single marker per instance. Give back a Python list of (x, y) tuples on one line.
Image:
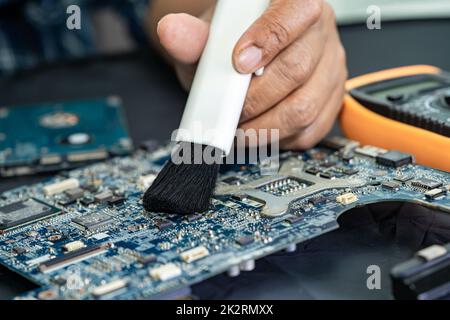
[(183, 36)]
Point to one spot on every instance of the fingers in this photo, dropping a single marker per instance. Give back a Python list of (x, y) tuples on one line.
[(318, 129), (300, 109), (290, 70), (282, 23), (183, 36)]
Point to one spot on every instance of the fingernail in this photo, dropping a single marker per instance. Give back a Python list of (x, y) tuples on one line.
[(249, 59)]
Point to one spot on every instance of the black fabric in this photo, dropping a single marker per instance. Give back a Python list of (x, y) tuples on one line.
[(332, 266)]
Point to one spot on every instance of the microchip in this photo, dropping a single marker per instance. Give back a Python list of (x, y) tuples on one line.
[(93, 221), (426, 183), (25, 211), (103, 196), (328, 164), (75, 193), (404, 177), (19, 250), (91, 188), (116, 201), (394, 159), (86, 201), (350, 171), (317, 200), (293, 219), (245, 240), (327, 175), (163, 223), (435, 193), (391, 185), (312, 171), (232, 180)]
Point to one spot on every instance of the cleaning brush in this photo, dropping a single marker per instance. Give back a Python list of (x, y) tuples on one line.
[(210, 118)]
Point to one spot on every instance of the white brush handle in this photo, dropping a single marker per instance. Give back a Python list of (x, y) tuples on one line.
[(218, 92)]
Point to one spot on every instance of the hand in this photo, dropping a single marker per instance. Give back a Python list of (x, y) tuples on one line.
[(297, 42)]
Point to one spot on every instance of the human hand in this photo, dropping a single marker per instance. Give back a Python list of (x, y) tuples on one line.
[(297, 42)]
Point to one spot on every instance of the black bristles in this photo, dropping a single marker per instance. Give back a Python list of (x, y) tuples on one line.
[(183, 188)]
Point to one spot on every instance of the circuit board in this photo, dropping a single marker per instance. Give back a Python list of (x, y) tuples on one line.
[(85, 234), (54, 136)]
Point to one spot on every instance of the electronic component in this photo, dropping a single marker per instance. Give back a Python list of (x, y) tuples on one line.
[(390, 185), (245, 222), (394, 159), (116, 201), (73, 246), (93, 221), (54, 136), (72, 257), (347, 198), (245, 240), (165, 272), (61, 186), (163, 224), (194, 254), (23, 212), (103, 196), (293, 219), (370, 151), (426, 183), (435, 193), (75, 193), (109, 288)]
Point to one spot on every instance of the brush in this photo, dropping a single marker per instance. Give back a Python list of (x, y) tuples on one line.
[(186, 183)]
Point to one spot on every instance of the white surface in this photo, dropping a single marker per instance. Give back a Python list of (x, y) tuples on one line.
[(354, 11)]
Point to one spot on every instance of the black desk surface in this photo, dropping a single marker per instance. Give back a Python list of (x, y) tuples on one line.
[(333, 266)]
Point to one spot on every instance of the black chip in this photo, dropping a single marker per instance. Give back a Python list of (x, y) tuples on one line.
[(19, 250), (394, 159), (232, 180), (86, 201), (293, 219), (426, 183), (162, 224), (436, 193), (245, 240), (74, 193), (404, 178), (350, 171), (116, 201), (24, 211), (312, 171), (67, 202), (391, 185), (93, 221), (317, 200), (328, 164), (239, 197), (327, 175)]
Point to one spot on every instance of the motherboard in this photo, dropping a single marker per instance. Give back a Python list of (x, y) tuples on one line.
[(61, 135), (85, 235)]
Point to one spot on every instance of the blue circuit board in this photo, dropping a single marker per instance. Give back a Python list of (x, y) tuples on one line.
[(55, 136), (85, 235)]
